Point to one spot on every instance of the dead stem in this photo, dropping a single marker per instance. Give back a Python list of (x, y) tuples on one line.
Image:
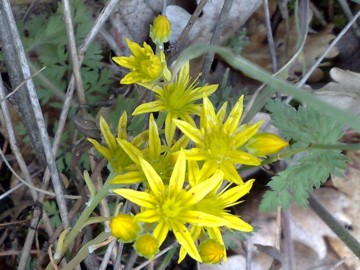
[(209, 57)]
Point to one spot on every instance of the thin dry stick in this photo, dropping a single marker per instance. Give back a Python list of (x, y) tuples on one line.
[(329, 48), (20, 85), (141, 266), (317, 14), (107, 255), (289, 260), (7, 193), (248, 252), (270, 37), (38, 115), (106, 12), (181, 40), (209, 57), (13, 142), (345, 7), (73, 55)]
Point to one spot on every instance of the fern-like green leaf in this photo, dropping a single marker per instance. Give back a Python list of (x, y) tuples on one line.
[(309, 169)]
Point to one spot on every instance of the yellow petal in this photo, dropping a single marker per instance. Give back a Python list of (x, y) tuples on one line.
[(141, 198), (161, 231), (230, 196), (199, 191), (169, 128), (244, 135), (155, 182), (183, 236), (230, 173), (233, 119), (154, 140), (191, 132), (178, 175), (154, 106), (128, 178), (148, 216), (237, 223), (241, 157), (199, 218)]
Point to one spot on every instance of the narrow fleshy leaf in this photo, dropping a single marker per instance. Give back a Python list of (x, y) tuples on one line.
[(101, 149), (108, 136), (131, 150), (122, 126)]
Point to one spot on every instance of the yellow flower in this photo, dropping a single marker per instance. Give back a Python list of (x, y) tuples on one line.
[(146, 67), (218, 142), (263, 144), (160, 30), (158, 155), (146, 246), (117, 158), (125, 228), (171, 207), (177, 98), (216, 203), (211, 251)]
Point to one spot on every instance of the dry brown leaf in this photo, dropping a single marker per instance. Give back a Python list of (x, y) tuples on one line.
[(204, 26), (286, 44), (349, 184), (344, 92), (309, 229)]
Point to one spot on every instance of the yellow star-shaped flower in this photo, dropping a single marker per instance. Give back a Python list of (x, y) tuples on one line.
[(178, 99), (218, 142), (171, 207)]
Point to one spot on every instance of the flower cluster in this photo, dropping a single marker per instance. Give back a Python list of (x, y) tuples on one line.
[(188, 171)]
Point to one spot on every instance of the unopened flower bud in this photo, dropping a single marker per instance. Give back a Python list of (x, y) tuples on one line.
[(160, 30), (211, 251), (263, 144), (146, 246), (125, 228)]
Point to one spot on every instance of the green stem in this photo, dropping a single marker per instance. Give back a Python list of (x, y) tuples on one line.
[(349, 240), (70, 237), (339, 146), (84, 251), (290, 153)]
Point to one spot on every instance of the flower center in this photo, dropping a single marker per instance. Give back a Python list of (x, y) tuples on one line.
[(151, 66), (218, 145)]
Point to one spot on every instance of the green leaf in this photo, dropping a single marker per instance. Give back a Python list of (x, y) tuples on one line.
[(311, 168)]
